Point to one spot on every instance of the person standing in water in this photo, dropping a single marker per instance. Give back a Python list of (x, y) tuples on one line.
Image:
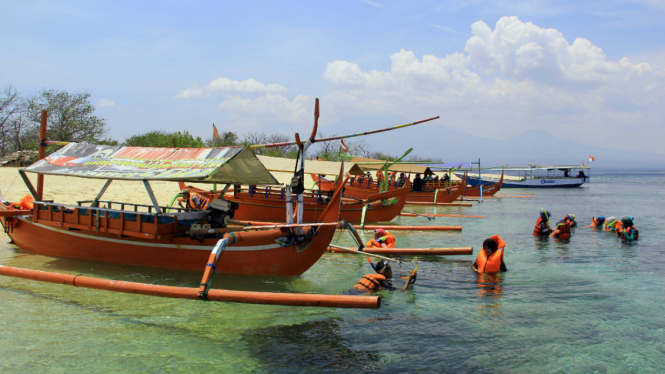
[(490, 258), (542, 227)]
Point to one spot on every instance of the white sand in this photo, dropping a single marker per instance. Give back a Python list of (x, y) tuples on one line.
[(69, 190)]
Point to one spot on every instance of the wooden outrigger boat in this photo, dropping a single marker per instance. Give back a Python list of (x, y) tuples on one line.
[(268, 205), (489, 189), (365, 188), (139, 235)]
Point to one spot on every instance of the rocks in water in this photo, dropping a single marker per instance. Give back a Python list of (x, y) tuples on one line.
[(20, 158)]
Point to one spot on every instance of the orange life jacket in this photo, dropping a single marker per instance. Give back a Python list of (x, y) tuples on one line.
[(564, 230), (388, 240), (596, 222), (202, 200), (24, 204), (370, 282), (630, 233), (491, 265), (537, 231)]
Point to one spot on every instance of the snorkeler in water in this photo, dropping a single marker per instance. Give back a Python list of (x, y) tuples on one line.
[(381, 280), (542, 227)]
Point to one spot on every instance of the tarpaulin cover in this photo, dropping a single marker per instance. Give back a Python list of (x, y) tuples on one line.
[(208, 165), (286, 165)]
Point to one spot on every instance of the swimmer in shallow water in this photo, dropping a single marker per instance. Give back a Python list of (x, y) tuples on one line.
[(381, 280), (628, 231), (597, 222), (490, 258)]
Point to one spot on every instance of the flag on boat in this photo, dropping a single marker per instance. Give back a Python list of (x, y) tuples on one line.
[(591, 159), (344, 147), (215, 133)]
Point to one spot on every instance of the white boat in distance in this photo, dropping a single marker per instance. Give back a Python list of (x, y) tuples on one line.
[(536, 176)]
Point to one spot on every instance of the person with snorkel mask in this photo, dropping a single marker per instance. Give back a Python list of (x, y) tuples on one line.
[(542, 227), (381, 280)]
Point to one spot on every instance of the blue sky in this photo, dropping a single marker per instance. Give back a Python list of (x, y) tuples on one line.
[(489, 68)]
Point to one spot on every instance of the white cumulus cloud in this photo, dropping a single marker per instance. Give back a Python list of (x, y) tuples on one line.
[(230, 86), (515, 77), (106, 102)]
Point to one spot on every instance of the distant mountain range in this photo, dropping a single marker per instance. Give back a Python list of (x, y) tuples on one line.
[(530, 147)]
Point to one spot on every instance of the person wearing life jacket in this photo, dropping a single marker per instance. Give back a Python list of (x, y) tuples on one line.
[(597, 222), (542, 227), (381, 280), (193, 201), (490, 258), (570, 218), (562, 230), (611, 224), (628, 231), (382, 239)]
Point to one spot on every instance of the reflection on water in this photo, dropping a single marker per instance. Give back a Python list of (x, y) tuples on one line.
[(316, 346), (489, 285)]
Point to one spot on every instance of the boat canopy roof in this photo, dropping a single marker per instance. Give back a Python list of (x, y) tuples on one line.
[(286, 165), (235, 165), (398, 167), (542, 167), (451, 165)]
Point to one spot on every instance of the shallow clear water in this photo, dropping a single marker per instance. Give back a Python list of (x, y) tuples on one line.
[(591, 304)]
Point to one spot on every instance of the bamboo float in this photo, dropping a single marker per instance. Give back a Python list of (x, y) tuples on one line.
[(411, 228), (438, 215), (260, 225), (407, 251), (439, 204), (271, 298), (510, 197), (338, 249)]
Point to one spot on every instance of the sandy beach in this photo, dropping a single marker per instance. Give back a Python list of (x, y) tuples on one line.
[(69, 190)]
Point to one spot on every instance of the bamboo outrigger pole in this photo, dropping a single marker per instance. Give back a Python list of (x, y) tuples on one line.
[(284, 144), (291, 299)]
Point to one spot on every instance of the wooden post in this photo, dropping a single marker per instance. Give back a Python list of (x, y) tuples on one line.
[(42, 154)]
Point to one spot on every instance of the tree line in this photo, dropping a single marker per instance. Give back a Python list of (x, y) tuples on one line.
[(71, 118)]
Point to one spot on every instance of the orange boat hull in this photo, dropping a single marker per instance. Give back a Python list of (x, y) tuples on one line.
[(257, 254), (363, 190)]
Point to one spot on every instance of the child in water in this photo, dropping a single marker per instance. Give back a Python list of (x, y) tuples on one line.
[(490, 258), (381, 280)]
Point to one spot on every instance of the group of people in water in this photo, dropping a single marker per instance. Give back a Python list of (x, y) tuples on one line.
[(624, 227), (490, 259)]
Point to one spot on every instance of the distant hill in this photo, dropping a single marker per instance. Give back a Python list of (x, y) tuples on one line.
[(530, 147)]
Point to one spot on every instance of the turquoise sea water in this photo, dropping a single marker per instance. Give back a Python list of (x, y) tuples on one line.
[(588, 305)]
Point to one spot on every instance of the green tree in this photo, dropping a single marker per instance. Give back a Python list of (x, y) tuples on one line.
[(164, 139), (226, 139), (70, 116)]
